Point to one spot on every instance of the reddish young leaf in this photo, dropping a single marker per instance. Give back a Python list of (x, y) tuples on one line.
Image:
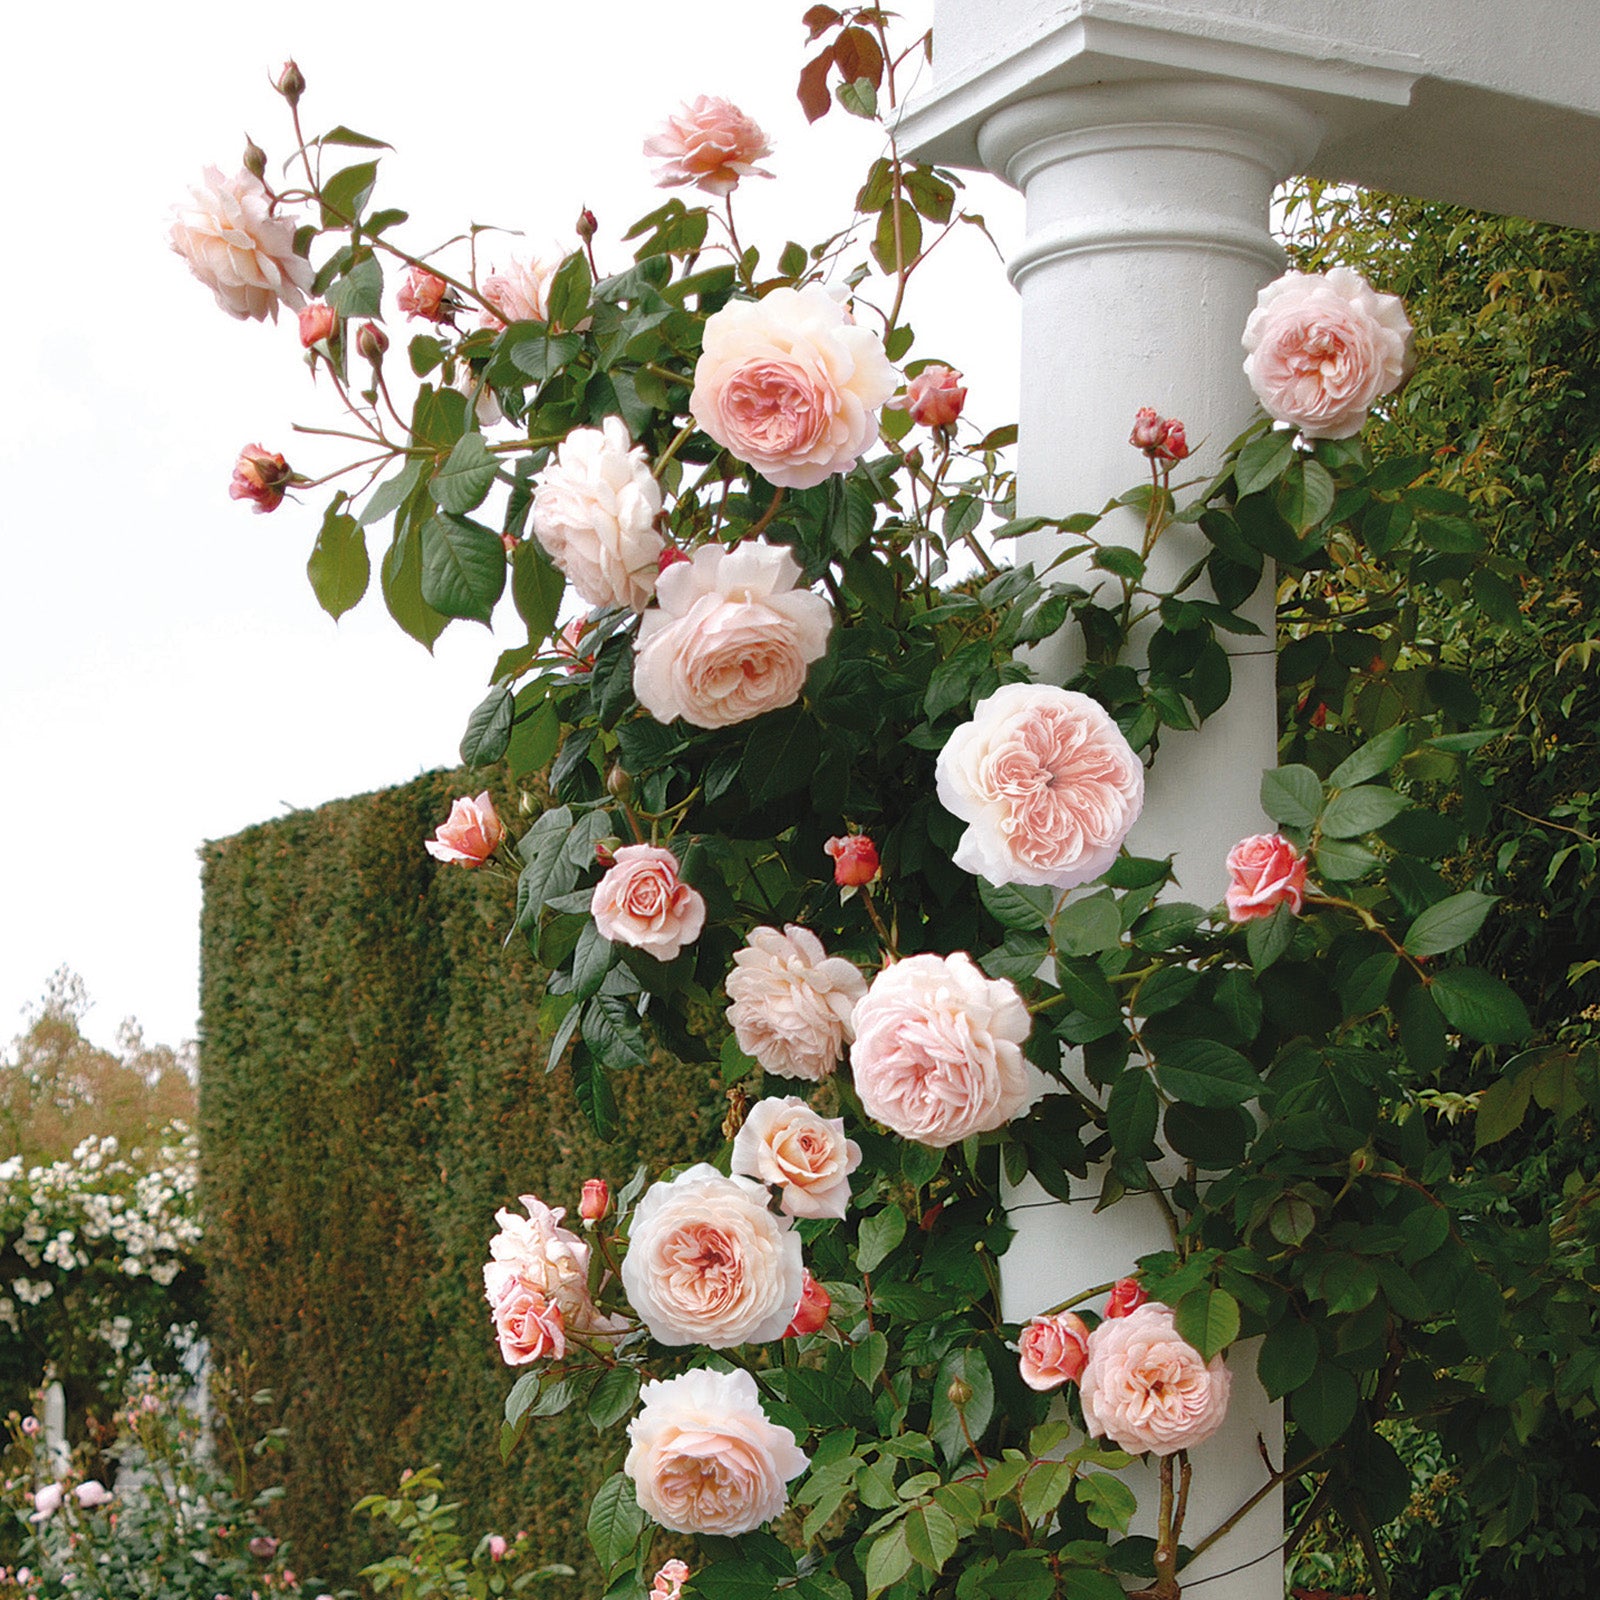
[(819, 19), (813, 91), (857, 55)]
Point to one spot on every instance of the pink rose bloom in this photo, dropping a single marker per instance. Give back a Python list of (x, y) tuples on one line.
[(709, 143), (1046, 782), (520, 292), (594, 511), (1265, 871), (1053, 1351), (669, 1581), (1322, 348), (47, 1501), (497, 1547), (783, 1141), (792, 1002), (528, 1326), (317, 322), (260, 476), (536, 1252), (470, 835), (855, 860), (426, 295), (934, 397), (31, 1425), (730, 637), (596, 1199), (811, 1315), (238, 249), (708, 1263), (91, 1493), (1125, 1296), (790, 385), (704, 1458), (642, 902), (938, 1051), (1147, 1389)]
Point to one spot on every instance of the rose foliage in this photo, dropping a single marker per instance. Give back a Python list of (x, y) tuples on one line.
[(796, 630)]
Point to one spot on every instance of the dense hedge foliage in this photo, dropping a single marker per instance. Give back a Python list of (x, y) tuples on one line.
[(372, 1088)]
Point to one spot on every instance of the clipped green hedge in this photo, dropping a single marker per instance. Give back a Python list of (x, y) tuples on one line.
[(372, 1088)]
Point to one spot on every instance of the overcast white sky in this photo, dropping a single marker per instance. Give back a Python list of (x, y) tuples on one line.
[(165, 674)]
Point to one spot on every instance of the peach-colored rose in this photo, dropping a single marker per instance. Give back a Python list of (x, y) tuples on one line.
[(317, 322), (426, 295), (536, 1252), (783, 1141), (240, 250), (1126, 1295), (709, 143), (528, 1326), (811, 1315), (471, 834), (642, 902), (709, 1264), (855, 859), (1265, 871), (1145, 1388), (260, 476), (792, 1002), (1046, 782), (938, 1051), (594, 511), (669, 1581), (934, 397), (704, 1458), (791, 385), (1053, 1351), (730, 637), (1321, 348), (519, 291)]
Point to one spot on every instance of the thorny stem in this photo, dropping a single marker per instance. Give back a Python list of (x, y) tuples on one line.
[(884, 936), (1078, 1299), (1372, 925)]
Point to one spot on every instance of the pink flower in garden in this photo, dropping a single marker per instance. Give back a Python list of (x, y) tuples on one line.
[(470, 835), (811, 1314), (317, 322), (31, 1425), (731, 636), (1161, 438), (528, 1325), (790, 385), (642, 902), (497, 1547), (1053, 1351), (934, 397), (855, 859), (239, 249), (1125, 1296), (569, 643), (1265, 871), (520, 292), (938, 1050), (792, 1002), (260, 476), (536, 1252), (426, 295), (91, 1493), (783, 1141), (1047, 784), (704, 1458), (1146, 1388), (1322, 348), (596, 1199), (669, 1581), (47, 1501), (1175, 447), (709, 143), (670, 556)]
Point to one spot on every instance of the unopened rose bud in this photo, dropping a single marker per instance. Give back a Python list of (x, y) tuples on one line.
[(426, 295), (260, 476), (596, 1199), (1148, 429), (605, 855), (811, 1313), (371, 342), (959, 1393), (1360, 1161), (587, 225), (291, 83), (914, 460), (855, 859), (670, 556), (618, 784), (1175, 447), (255, 158), (1126, 1296), (317, 322), (934, 397)]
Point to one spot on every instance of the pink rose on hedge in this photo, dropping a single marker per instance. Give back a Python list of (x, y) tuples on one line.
[(783, 1141), (1126, 1296), (92, 1493), (855, 859), (1053, 1351), (642, 902), (730, 637), (791, 385), (708, 1263), (529, 1326), (938, 1051), (1322, 348), (710, 143), (470, 835), (536, 1252), (497, 1547), (1145, 1388), (260, 476), (669, 1581), (317, 322), (1265, 871), (240, 250), (596, 1199), (47, 1501), (704, 1458), (1047, 783), (792, 1002), (426, 295), (934, 397), (520, 292), (811, 1315)]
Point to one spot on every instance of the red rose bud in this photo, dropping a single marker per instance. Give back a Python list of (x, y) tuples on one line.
[(855, 860), (291, 83), (1175, 447), (605, 855), (425, 294), (670, 556), (317, 322), (371, 342), (260, 477), (934, 397), (588, 224), (811, 1314), (596, 1199), (1126, 1296)]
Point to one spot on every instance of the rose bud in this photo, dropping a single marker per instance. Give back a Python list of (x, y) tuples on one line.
[(670, 556), (470, 835), (425, 294), (587, 225), (596, 1199), (260, 477), (371, 342), (934, 397), (1175, 446), (1148, 430), (497, 1547), (317, 322), (255, 158), (811, 1314), (569, 644), (291, 83), (855, 859), (1264, 872), (1125, 1296), (605, 854)]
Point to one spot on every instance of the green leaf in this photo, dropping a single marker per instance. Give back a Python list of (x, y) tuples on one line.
[(359, 293), (1480, 1006), (1044, 1487), (345, 194), (348, 136), (860, 99), (464, 479), (615, 1522), (536, 590), (1015, 905), (1288, 1356), (463, 568), (1120, 562), (1308, 494), (1364, 809), (1023, 1575), (1502, 1108), (1132, 1112), (1107, 1501), (613, 1397), (534, 738), (930, 1536), (1266, 938), (392, 493), (569, 292), (888, 1559), (1209, 1319), (1376, 756), (880, 1233), (1086, 927), (591, 961), (1478, 1306), (591, 1084), (488, 728), (973, 1370), (1263, 460), (1325, 1404), (611, 1029), (1206, 1073), (402, 588), (339, 568), (1291, 795), (1448, 924), (1089, 1583), (782, 754), (1339, 859)]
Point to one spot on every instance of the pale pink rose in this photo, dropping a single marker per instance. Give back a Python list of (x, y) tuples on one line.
[(669, 1581), (239, 249), (1053, 1351), (709, 143), (1145, 1388), (470, 835), (47, 1501), (730, 637), (790, 385), (426, 295), (708, 1263), (1322, 348), (1126, 1296), (519, 291), (855, 860), (792, 1002), (536, 1252), (704, 1458), (317, 322), (783, 1141), (497, 1547), (596, 1199), (594, 511), (1047, 784), (934, 397), (91, 1493), (31, 1425), (1265, 871), (938, 1051), (528, 1326), (260, 476), (811, 1314), (642, 902)]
